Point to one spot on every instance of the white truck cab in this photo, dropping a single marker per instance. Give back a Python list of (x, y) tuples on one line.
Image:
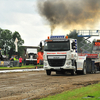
[(60, 55)]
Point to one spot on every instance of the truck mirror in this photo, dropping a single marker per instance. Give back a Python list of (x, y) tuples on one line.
[(73, 45), (40, 45)]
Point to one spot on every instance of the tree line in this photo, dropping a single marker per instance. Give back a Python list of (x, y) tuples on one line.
[(7, 39)]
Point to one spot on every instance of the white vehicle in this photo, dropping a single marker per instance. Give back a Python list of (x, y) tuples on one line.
[(60, 55), (31, 57)]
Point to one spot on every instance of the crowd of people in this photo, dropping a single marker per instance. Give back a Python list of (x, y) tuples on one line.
[(14, 60), (20, 60)]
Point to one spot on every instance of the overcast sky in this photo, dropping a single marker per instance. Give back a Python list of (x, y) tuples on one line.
[(22, 16)]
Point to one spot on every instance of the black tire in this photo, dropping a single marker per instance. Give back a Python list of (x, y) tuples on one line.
[(63, 72), (48, 72), (57, 72), (35, 63), (95, 69), (27, 64), (78, 72), (83, 72), (84, 68), (73, 72)]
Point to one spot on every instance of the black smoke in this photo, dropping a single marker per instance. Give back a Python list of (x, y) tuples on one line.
[(65, 13)]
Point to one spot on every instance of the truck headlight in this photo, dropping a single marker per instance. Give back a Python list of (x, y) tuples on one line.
[(45, 63), (44, 57), (68, 63)]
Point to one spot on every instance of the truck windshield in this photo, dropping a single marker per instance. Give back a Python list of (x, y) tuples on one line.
[(57, 46)]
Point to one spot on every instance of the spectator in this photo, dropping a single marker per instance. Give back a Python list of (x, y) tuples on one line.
[(15, 58), (15, 63), (20, 61)]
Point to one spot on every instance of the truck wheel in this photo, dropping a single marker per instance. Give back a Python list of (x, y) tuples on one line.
[(27, 64), (35, 63), (48, 72), (84, 68), (78, 72), (73, 72), (95, 69), (57, 72)]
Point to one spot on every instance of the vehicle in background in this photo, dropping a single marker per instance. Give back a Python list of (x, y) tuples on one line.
[(31, 58), (5, 57), (96, 50)]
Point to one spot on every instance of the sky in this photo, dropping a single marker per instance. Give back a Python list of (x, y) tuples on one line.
[(22, 16)]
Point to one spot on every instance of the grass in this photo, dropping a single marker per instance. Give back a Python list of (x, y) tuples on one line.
[(91, 92), (22, 67)]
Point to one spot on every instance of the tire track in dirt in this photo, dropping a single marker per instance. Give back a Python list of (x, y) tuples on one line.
[(35, 85)]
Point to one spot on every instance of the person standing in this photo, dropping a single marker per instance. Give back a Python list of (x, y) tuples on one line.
[(20, 61), (15, 61)]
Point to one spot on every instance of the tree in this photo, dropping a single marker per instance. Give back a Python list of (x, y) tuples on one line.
[(19, 43), (7, 39)]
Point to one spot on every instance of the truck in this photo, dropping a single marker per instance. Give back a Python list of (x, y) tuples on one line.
[(31, 56), (60, 55)]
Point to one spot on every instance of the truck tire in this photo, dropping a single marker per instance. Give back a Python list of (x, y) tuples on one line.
[(83, 72), (27, 64), (73, 72), (35, 63), (48, 72), (57, 72), (78, 72), (84, 68)]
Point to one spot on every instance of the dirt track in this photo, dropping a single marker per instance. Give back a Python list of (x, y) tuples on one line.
[(29, 85)]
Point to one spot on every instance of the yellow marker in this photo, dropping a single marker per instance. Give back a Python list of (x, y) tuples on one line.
[(2, 62)]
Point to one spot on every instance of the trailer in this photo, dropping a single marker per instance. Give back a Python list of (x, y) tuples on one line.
[(60, 55)]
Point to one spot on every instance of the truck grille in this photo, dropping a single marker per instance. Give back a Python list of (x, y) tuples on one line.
[(56, 62)]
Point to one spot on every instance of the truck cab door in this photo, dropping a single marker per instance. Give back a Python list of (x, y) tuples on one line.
[(73, 45)]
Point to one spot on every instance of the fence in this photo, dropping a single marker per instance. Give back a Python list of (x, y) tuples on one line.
[(9, 63)]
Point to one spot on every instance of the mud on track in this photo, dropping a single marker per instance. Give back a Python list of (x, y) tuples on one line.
[(35, 85)]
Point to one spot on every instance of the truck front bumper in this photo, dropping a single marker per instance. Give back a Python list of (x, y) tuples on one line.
[(64, 67), (59, 68)]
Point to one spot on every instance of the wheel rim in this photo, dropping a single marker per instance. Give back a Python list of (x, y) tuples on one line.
[(84, 70)]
